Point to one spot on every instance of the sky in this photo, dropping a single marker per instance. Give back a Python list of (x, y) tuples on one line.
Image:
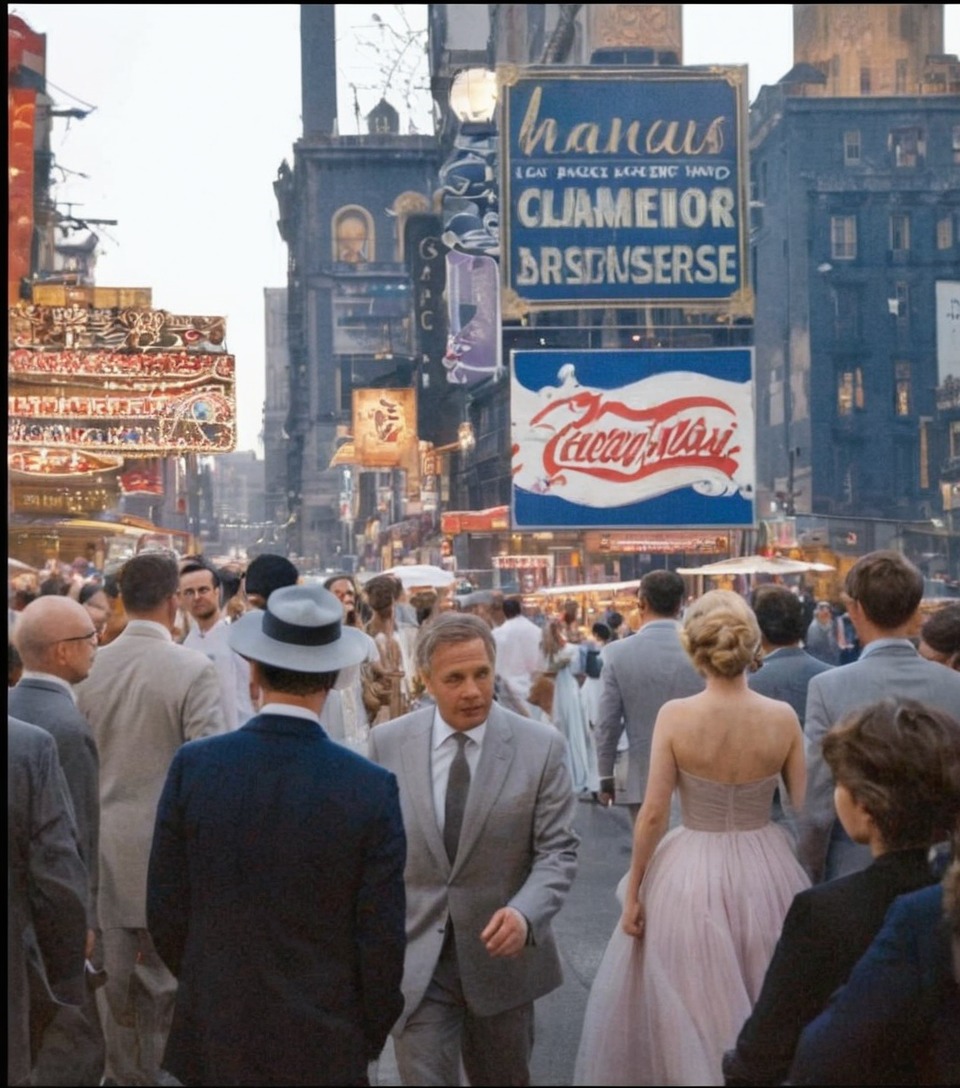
[(196, 106)]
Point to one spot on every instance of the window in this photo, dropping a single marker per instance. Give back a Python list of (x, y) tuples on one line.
[(353, 235), (945, 232), (908, 147), (900, 86), (847, 312), (901, 309), (899, 232), (901, 396), (849, 391), (851, 147), (956, 144), (843, 237), (864, 80)]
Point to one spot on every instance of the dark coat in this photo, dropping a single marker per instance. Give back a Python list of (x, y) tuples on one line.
[(897, 1021), (275, 895), (827, 929)]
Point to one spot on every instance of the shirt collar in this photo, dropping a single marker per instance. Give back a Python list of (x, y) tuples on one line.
[(883, 644), (285, 709), (441, 731), (29, 674), (149, 625)]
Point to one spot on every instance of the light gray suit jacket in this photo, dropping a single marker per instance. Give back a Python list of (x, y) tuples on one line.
[(517, 848), (640, 674), (888, 666), (144, 697)]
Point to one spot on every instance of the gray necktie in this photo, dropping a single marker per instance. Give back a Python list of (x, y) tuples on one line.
[(458, 786)]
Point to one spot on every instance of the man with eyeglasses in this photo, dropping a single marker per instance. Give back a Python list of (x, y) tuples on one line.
[(144, 698), (200, 599), (57, 641)]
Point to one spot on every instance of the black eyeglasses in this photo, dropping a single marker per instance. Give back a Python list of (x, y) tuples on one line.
[(91, 636)]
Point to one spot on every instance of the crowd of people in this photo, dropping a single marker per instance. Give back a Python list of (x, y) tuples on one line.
[(258, 823)]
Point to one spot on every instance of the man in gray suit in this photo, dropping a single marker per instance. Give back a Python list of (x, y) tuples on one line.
[(639, 675), (145, 696), (487, 807), (46, 895), (57, 641), (787, 668), (882, 592)]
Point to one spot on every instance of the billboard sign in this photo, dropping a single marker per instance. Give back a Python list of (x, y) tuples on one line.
[(128, 404), (948, 329), (385, 428), (625, 187), (632, 439)]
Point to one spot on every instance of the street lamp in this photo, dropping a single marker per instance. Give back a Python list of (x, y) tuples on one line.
[(466, 440)]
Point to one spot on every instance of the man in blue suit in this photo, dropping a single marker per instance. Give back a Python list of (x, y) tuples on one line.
[(275, 890)]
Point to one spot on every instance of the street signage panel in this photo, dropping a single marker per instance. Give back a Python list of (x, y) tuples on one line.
[(624, 186), (632, 439)]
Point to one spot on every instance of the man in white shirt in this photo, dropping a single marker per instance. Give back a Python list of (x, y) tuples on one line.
[(491, 854), (209, 627), (518, 654)]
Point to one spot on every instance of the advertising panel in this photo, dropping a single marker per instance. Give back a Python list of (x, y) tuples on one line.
[(625, 187), (385, 428), (129, 404), (631, 439), (473, 316)]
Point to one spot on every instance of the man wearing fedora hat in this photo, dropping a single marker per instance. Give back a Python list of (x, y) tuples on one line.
[(275, 889)]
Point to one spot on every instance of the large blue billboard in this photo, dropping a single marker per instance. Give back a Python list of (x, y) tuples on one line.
[(632, 439), (624, 187)]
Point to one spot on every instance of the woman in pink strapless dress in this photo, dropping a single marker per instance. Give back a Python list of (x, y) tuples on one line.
[(704, 904)]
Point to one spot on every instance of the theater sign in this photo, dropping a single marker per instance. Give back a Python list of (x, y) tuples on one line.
[(632, 439), (624, 187)]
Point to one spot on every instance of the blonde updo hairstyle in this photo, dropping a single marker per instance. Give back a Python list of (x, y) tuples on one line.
[(721, 635)]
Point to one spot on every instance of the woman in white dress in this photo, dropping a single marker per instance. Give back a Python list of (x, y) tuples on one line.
[(561, 661)]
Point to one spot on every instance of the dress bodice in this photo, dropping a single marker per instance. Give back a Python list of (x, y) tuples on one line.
[(723, 806)]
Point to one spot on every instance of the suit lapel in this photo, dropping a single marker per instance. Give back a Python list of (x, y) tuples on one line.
[(496, 756), (417, 769)]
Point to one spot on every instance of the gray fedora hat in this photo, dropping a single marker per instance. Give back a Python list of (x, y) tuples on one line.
[(301, 629)]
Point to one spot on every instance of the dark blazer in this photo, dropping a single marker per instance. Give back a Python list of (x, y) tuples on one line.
[(275, 895), (49, 706), (897, 1021), (785, 674), (827, 929)]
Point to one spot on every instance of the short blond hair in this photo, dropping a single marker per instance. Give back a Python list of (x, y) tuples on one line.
[(721, 635)]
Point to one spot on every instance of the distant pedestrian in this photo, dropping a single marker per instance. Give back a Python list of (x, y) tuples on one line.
[(821, 639), (940, 636), (266, 573)]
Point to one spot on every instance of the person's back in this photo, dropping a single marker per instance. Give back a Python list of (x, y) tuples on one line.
[(883, 592)]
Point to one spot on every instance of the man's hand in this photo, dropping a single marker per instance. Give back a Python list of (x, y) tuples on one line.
[(607, 792), (506, 933)]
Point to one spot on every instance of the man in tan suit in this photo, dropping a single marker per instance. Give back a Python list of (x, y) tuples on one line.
[(491, 853), (145, 696)]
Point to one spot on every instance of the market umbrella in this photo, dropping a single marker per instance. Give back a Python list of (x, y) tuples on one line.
[(756, 564), (417, 575), (16, 566)]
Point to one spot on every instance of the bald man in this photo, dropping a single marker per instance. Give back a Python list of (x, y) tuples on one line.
[(56, 639)]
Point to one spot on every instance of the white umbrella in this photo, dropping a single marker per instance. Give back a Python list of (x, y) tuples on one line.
[(15, 567), (755, 564), (418, 575)]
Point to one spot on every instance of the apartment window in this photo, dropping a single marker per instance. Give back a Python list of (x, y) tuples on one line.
[(847, 310), (902, 389), (843, 237), (956, 144), (851, 147), (945, 232), (901, 77), (849, 391), (901, 308), (899, 232), (908, 147), (864, 80)]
